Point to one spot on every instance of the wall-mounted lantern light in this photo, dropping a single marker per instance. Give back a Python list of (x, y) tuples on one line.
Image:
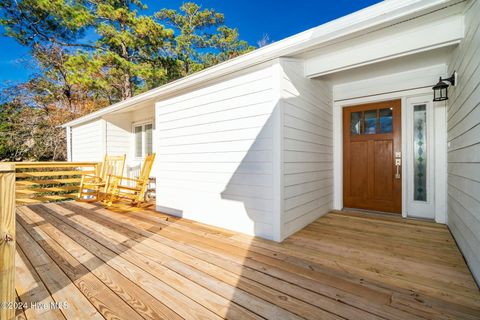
[(440, 90)]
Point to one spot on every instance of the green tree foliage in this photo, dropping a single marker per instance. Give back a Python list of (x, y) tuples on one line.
[(202, 39), (30, 132), (92, 53), (228, 44), (132, 48), (57, 22)]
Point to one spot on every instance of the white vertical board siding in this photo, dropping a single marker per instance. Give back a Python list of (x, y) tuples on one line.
[(307, 147), (88, 141), (464, 143), (69, 143), (214, 152)]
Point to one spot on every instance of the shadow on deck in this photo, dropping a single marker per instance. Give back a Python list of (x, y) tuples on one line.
[(96, 263)]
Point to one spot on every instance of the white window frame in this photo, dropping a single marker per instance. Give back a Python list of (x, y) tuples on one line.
[(144, 145)]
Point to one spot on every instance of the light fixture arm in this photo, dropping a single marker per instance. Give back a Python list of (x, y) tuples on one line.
[(452, 79)]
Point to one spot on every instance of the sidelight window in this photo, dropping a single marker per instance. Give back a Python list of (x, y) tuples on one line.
[(419, 152)]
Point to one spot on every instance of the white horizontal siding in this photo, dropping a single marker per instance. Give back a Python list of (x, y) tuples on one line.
[(88, 141), (112, 135), (119, 138), (118, 134), (253, 144), (464, 143), (214, 153), (307, 148)]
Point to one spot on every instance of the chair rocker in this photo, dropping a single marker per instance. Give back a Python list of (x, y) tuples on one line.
[(93, 187), (135, 192)]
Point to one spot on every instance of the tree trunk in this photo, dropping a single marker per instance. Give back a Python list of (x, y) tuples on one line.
[(127, 87)]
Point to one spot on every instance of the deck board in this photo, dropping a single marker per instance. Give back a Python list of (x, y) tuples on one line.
[(143, 264), (30, 289)]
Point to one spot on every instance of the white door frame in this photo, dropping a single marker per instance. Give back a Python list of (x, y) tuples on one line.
[(421, 209), (440, 150)]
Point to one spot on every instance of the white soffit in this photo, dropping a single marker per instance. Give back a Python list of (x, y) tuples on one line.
[(430, 32), (393, 66), (395, 82)]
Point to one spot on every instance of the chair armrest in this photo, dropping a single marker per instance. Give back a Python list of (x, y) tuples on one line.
[(89, 178), (92, 176), (124, 178)]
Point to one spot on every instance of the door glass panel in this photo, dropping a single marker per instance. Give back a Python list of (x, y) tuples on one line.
[(385, 116), (420, 159), (355, 122), (370, 122)]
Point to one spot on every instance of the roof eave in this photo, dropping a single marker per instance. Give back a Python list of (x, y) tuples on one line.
[(370, 17)]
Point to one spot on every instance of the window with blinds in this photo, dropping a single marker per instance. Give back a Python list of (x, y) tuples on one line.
[(143, 139)]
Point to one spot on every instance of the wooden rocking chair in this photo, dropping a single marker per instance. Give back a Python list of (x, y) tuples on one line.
[(92, 186), (135, 192)]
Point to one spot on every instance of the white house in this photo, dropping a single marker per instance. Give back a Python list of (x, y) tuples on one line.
[(338, 116)]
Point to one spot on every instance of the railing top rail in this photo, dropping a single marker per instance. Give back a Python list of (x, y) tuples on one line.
[(6, 167), (22, 165)]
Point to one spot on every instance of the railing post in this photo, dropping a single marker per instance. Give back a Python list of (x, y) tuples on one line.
[(7, 241)]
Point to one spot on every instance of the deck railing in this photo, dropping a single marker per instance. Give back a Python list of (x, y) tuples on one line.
[(7, 240), (38, 182), (24, 183)]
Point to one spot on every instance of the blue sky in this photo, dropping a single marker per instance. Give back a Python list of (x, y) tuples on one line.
[(253, 18)]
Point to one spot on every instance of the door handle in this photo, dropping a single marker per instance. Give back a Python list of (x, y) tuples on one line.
[(398, 163)]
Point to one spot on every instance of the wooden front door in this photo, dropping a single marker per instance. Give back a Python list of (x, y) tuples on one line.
[(372, 157)]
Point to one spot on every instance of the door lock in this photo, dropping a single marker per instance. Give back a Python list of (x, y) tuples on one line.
[(398, 163)]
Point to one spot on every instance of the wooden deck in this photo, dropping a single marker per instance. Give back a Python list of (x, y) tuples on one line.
[(95, 263)]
